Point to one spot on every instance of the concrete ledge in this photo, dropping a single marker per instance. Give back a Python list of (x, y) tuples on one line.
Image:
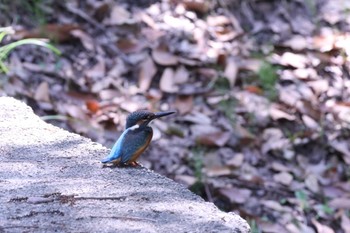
[(51, 181)]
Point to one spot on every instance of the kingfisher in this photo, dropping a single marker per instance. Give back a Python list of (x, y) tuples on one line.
[(135, 138)]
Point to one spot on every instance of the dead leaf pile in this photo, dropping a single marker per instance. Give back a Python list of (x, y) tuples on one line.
[(261, 89)]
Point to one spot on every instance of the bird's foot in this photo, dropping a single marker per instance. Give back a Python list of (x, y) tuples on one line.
[(133, 164), (110, 165)]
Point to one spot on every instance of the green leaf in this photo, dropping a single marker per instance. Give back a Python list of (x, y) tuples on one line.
[(5, 50)]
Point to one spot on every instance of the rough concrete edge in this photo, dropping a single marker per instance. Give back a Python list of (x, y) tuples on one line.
[(30, 114)]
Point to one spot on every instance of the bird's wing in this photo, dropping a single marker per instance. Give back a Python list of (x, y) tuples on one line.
[(134, 143), (116, 152)]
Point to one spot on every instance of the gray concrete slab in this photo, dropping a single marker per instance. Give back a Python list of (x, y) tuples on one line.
[(51, 181)]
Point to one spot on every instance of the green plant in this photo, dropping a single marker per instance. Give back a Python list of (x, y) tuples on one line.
[(327, 209), (221, 85), (254, 226), (311, 5), (303, 199), (197, 162), (6, 49), (268, 78), (32, 13), (56, 117), (36, 8), (227, 107)]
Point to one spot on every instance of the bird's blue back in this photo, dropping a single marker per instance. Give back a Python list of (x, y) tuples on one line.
[(129, 143)]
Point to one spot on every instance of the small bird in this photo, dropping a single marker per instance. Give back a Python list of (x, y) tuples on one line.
[(135, 139)]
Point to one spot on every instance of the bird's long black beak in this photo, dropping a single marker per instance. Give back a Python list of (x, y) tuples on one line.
[(161, 114), (157, 115)]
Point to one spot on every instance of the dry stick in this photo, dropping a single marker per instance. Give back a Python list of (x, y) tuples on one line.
[(207, 191), (100, 198), (126, 218), (82, 15)]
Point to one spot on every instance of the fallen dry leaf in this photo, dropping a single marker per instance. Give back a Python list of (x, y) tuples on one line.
[(325, 41), (254, 89), (218, 20), (244, 136), (292, 59), (119, 15), (108, 94), (184, 104), (225, 34), (284, 178), (298, 42), (84, 38), (274, 140), (271, 204), (214, 139), (102, 9), (216, 171), (154, 94), (130, 106), (231, 71), (311, 183), (292, 228), (345, 223), (147, 71), (276, 166), (127, 45), (251, 64), (236, 195), (277, 114), (185, 179), (54, 32), (92, 105), (200, 119), (236, 161), (343, 147), (181, 75), (166, 83), (270, 227), (201, 7), (75, 111), (340, 203), (310, 123), (164, 57), (207, 72), (98, 70), (42, 92), (307, 108), (212, 160), (320, 227), (319, 86)]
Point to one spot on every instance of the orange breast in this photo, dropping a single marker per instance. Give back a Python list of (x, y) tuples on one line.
[(137, 153)]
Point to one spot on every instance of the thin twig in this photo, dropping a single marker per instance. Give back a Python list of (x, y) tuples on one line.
[(82, 15), (208, 193), (100, 198), (126, 218)]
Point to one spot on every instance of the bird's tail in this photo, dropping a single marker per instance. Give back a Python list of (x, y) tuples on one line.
[(106, 160), (110, 160)]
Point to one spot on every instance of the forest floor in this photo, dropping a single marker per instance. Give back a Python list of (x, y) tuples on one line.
[(261, 90)]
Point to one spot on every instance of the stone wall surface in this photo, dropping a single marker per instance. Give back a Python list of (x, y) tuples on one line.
[(51, 181)]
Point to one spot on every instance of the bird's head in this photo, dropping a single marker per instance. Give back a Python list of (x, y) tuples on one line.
[(143, 117)]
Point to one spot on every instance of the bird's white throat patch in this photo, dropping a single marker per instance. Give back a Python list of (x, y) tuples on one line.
[(134, 127)]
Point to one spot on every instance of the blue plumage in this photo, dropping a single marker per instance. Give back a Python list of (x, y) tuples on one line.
[(116, 151), (135, 139)]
